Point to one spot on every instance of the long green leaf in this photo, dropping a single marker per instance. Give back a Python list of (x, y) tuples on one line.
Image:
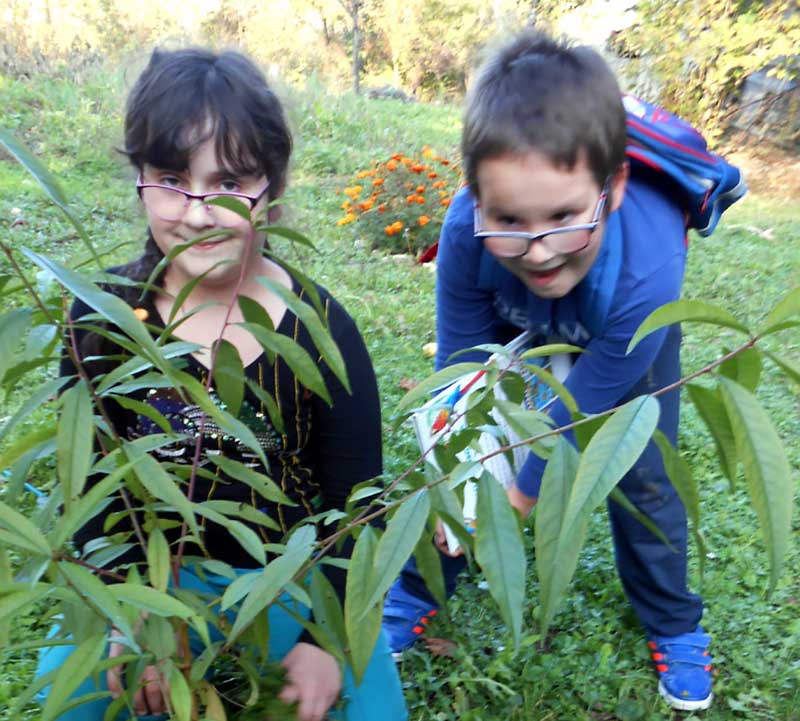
[(318, 331), (711, 409), (247, 538), (397, 543), (429, 565), (19, 527), (294, 355), (49, 184), (559, 475), (75, 441), (160, 484), (158, 560), (229, 376), (766, 470), (290, 234), (363, 623), (75, 670), (95, 593), (180, 695), (500, 552), (685, 311), (326, 607), (609, 455), (108, 305), (272, 579), (12, 329), (744, 368), (36, 439), (35, 401), (13, 603), (150, 600), (787, 307), (790, 367), (261, 484)]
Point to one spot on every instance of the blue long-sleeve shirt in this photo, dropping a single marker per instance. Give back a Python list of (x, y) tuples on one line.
[(639, 267)]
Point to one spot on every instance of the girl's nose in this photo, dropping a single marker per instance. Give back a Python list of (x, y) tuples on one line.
[(198, 215)]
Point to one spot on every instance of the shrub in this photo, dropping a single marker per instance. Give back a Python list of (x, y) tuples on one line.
[(399, 204)]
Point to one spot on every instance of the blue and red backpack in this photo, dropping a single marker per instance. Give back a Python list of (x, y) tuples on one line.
[(662, 142)]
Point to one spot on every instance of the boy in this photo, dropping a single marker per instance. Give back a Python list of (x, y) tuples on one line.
[(550, 228)]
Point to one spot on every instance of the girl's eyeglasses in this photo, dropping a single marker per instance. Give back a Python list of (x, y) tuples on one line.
[(515, 244), (170, 203)]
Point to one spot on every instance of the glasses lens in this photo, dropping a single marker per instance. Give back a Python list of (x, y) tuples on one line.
[(165, 203), (570, 242)]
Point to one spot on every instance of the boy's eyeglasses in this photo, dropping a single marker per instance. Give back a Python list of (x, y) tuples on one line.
[(515, 244), (170, 203)]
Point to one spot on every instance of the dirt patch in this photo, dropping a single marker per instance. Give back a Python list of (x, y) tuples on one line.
[(768, 169)]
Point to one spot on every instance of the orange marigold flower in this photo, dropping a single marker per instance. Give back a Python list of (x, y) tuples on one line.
[(420, 188), (366, 205), (363, 174), (397, 156), (433, 174), (398, 225), (377, 182), (411, 199), (389, 230), (381, 208), (349, 218), (406, 161), (418, 168), (440, 184), (427, 152), (445, 202), (391, 165), (443, 193), (444, 161), (420, 199), (345, 205), (353, 192), (424, 220)]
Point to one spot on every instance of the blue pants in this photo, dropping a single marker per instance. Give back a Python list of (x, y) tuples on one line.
[(378, 698), (653, 574)]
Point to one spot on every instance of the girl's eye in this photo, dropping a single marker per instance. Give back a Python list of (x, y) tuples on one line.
[(230, 186), (170, 180)]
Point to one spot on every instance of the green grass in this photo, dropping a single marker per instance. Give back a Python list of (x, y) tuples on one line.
[(596, 666)]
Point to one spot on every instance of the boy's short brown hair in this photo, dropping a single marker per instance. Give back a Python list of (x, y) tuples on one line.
[(536, 93)]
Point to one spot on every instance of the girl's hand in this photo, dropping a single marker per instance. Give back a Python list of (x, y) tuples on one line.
[(315, 681), (148, 698)]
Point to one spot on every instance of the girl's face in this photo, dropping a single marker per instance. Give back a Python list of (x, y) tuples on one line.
[(222, 255)]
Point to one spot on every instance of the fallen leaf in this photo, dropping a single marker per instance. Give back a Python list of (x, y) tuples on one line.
[(440, 646), (408, 384)]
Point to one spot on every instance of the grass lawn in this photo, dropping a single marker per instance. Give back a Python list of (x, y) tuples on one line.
[(596, 666)]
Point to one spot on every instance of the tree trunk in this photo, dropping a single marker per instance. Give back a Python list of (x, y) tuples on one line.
[(356, 47)]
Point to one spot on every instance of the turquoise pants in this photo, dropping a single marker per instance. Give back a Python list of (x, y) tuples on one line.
[(379, 697)]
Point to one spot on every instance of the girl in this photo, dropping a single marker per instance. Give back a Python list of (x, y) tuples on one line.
[(201, 125)]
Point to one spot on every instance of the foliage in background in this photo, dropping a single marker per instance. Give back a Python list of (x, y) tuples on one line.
[(702, 50), (400, 203)]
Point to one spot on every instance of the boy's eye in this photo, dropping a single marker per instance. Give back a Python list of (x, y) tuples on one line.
[(507, 220)]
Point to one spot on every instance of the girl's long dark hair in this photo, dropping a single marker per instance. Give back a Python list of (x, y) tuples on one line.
[(182, 99)]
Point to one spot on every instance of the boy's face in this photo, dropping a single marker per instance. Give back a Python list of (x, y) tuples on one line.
[(526, 192)]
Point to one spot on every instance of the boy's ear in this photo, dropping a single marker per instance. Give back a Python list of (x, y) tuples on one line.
[(618, 183)]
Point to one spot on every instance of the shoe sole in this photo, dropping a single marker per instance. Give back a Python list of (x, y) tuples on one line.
[(681, 704)]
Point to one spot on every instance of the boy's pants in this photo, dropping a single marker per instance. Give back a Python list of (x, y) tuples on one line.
[(653, 574), (378, 698)]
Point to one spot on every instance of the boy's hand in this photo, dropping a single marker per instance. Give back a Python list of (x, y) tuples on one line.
[(314, 681), (440, 541), (524, 504), (149, 697)]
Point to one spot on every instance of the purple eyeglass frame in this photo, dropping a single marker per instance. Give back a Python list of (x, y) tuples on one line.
[(189, 197), (533, 237)]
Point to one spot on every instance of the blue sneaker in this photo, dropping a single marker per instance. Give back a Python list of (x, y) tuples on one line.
[(405, 618), (684, 669)]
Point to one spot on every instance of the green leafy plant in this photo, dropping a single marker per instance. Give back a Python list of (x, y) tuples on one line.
[(40, 569)]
